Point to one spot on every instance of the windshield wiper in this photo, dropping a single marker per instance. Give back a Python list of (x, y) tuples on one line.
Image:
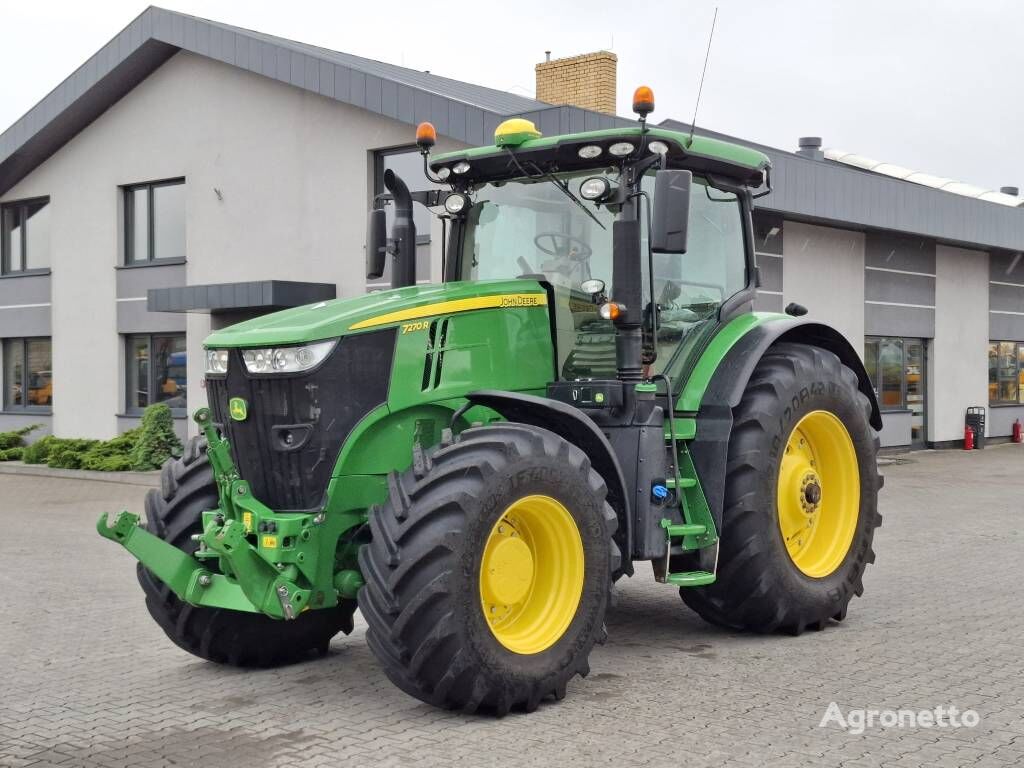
[(563, 186)]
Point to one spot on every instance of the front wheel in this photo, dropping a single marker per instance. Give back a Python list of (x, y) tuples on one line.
[(489, 570), (801, 503)]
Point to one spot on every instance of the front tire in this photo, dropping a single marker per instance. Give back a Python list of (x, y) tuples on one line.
[(801, 502), (236, 638), (489, 570)]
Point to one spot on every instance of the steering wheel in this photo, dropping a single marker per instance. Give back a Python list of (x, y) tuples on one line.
[(573, 248)]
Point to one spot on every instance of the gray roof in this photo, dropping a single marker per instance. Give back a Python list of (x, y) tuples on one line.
[(460, 110), (804, 188), (823, 190)]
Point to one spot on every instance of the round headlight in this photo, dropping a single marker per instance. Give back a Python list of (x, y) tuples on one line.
[(256, 360), (461, 167), (594, 188), (658, 147), (443, 173), (455, 203), (589, 152), (280, 360), (621, 148)]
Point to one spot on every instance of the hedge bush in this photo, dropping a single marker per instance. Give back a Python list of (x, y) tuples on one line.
[(143, 448), (14, 439)]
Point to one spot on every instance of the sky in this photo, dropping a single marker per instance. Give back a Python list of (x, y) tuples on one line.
[(933, 85)]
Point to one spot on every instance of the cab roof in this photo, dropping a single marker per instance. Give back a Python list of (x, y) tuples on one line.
[(561, 153)]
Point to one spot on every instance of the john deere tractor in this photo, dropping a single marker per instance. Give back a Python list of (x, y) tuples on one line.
[(474, 463)]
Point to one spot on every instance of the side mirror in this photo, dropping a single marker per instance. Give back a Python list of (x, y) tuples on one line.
[(376, 243), (671, 211)]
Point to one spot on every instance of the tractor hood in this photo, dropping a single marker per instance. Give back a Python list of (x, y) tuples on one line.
[(340, 317)]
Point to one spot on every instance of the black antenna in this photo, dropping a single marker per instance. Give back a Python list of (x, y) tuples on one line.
[(693, 123)]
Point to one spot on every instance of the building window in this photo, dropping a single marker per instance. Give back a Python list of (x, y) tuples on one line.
[(154, 221), (28, 375), (883, 358), (1005, 373), (156, 368), (25, 240)]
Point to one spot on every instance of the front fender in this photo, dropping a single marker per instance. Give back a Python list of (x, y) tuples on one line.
[(577, 428)]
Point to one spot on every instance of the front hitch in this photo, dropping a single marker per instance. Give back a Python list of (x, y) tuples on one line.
[(248, 580)]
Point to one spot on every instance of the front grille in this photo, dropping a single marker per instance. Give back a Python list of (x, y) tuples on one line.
[(287, 446)]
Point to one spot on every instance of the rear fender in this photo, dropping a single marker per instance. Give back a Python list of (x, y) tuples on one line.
[(573, 425), (725, 389)]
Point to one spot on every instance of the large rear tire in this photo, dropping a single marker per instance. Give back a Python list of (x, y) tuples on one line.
[(801, 497), (240, 639), (489, 570)]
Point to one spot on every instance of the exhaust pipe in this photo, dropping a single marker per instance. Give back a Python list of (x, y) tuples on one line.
[(403, 232)]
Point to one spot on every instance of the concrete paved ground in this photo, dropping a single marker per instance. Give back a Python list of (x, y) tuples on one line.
[(87, 679)]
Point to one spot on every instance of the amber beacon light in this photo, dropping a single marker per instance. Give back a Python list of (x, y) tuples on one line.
[(426, 136), (643, 101)]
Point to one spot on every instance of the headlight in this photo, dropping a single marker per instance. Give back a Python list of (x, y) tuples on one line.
[(216, 361), (595, 188), (443, 173), (589, 152), (287, 359), (658, 147), (456, 203), (621, 149), (461, 167)]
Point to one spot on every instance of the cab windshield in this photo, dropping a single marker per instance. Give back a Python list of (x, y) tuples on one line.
[(531, 228)]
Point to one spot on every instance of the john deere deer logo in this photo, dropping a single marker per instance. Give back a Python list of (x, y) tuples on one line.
[(238, 408)]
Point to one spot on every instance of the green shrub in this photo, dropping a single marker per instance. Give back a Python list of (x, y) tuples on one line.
[(11, 454), (156, 442), (16, 438), (66, 453), (39, 452), (145, 447)]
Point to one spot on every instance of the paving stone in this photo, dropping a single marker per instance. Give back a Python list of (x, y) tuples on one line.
[(89, 681)]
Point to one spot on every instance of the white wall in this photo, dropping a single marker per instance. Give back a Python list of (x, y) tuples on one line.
[(293, 172), (958, 358), (823, 269)]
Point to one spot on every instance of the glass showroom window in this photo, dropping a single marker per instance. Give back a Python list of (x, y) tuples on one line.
[(25, 236), (1005, 373), (156, 367), (28, 375), (154, 222)]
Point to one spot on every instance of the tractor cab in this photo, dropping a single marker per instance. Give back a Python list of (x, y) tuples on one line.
[(564, 210)]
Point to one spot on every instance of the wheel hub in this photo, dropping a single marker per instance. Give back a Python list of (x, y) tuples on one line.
[(507, 570)]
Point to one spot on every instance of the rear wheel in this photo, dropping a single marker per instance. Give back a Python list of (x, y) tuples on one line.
[(801, 497), (237, 638), (489, 569)]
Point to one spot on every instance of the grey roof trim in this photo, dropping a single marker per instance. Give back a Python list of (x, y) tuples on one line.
[(225, 297), (822, 190)]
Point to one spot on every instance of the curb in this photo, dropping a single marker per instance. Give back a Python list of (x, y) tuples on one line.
[(148, 479)]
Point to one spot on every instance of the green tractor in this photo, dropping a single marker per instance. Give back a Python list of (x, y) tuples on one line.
[(473, 464)]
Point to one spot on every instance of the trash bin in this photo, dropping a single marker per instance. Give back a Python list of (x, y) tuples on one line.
[(976, 421)]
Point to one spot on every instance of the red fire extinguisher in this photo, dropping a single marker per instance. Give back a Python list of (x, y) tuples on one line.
[(968, 439), (1017, 436)]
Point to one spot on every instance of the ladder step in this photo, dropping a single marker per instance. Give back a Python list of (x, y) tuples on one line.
[(684, 482), (690, 579), (685, 529), (686, 429)]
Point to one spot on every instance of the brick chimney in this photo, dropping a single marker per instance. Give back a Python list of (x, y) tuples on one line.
[(587, 81)]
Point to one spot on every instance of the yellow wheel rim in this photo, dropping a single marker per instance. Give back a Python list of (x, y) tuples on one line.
[(531, 575), (818, 494)]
